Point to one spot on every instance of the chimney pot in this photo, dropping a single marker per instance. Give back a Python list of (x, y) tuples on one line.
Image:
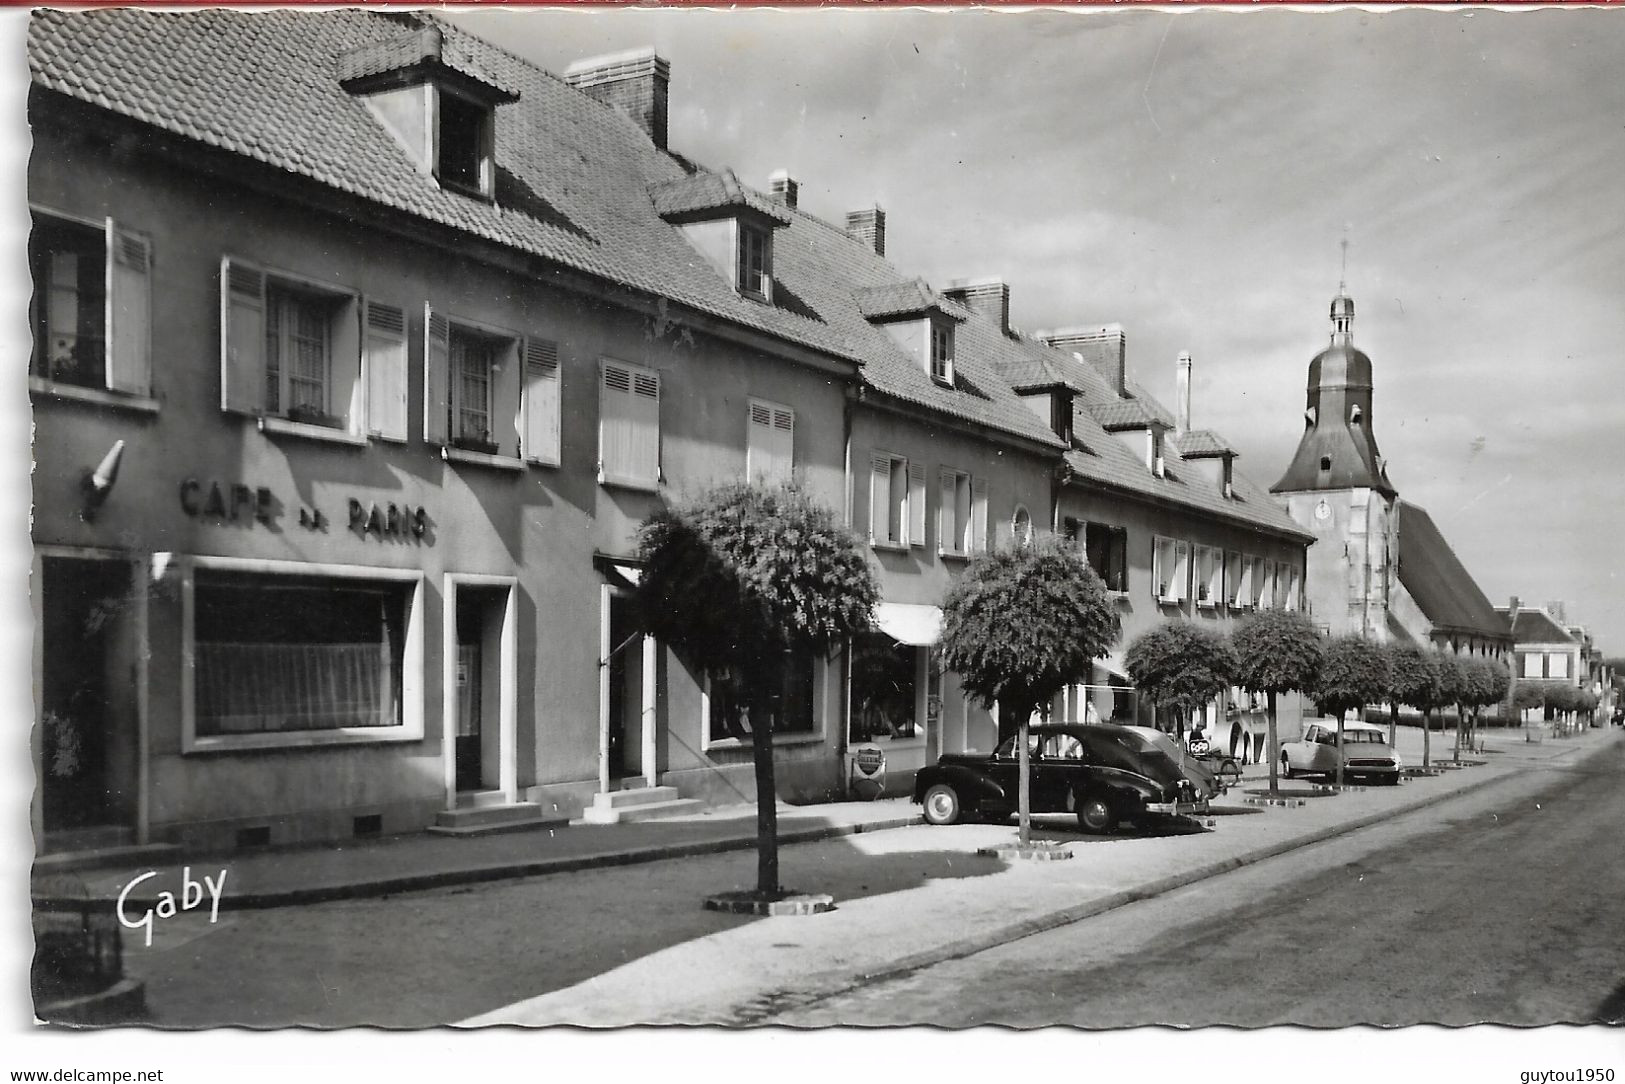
[(635, 82), (988, 296), (1183, 395), (784, 188), (869, 227)]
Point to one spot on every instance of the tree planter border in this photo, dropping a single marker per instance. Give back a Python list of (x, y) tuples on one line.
[(1027, 852), (787, 903)]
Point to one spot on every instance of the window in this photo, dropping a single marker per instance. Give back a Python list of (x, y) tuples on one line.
[(885, 688), (1209, 576), (283, 654), (896, 501), (1236, 577), (1293, 599), (83, 335), (629, 426), (291, 349), (1532, 665), (464, 158), (727, 718), (1107, 551), (1021, 526), (1259, 578), (473, 358), (942, 353), (754, 262), (770, 441), (489, 396), (955, 515), (1557, 665), (1170, 573)]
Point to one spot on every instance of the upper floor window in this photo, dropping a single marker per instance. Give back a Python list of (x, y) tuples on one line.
[(489, 391), (1237, 577), (1261, 578), (1107, 550), (770, 441), (754, 261), (896, 501), (961, 515), (1170, 570), (942, 353), (1209, 576), (91, 306), (292, 349), (629, 425)]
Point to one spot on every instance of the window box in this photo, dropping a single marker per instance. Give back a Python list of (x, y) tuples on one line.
[(283, 427), (476, 444), (312, 416)]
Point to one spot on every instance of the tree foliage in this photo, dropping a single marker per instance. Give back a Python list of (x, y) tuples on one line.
[(1353, 673), (737, 579), (1561, 698), (1453, 686), (1529, 694), (1277, 651), (1023, 623), (1181, 664), (1413, 676)]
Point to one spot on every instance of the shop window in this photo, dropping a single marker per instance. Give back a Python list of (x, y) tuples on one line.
[(629, 426), (276, 655), (83, 335), (885, 688), (1107, 549), (770, 442), (291, 349), (727, 718)]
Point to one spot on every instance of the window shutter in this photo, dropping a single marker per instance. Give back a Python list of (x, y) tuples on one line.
[(540, 439), (508, 397), (349, 387), (629, 424), (1159, 579), (242, 337), (978, 515), (1182, 568), (129, 312), (916, 504), (646, 426), (784, 441), (879, 498), (436, 376), (758, 440), (949, 529), (386, 371)]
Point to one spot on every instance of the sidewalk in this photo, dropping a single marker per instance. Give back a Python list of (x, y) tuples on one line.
[(757, 968)]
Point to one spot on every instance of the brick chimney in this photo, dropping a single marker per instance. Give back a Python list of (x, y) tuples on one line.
[(1182, 394), (1105, 347), (633, 82), (868, 226), (988, 297), (783, 187), (1556, 610)]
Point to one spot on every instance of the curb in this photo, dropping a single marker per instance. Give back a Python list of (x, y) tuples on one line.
[(817, 991), (418, 882)]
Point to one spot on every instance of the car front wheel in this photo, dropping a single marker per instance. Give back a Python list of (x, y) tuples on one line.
[(1095, 814), (942, 805), (1286, 766)]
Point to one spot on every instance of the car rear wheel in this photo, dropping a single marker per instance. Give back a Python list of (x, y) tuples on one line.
[(1095, 814), (1286, 766), (1229, 772), (942, 805)]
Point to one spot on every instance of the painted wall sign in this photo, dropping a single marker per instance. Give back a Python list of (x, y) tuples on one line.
[(236, 501), (388, 520)]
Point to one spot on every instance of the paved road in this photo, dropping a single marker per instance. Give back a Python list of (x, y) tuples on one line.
[(1511, 909)]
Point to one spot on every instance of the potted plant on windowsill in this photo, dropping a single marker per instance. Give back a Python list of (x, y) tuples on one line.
[(309, 415), (476, 442)]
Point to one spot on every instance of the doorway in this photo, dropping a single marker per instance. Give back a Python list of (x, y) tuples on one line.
[(89, 715), (625, 692), (477, 754)]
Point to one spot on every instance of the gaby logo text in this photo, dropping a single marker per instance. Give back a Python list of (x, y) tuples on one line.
[(192, 896)]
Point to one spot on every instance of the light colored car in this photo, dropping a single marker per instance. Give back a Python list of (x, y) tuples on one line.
[(1366, 752)]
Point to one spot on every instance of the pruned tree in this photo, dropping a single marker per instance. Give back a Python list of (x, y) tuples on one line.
[(1413, 679), (1277, 651), (1019, 626), (1483, 689), (736, 581), (1561, 700), (1527, 695), (1181, 665), (1353, 673)]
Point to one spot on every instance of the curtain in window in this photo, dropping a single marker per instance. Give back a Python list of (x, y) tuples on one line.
[(267, 688)]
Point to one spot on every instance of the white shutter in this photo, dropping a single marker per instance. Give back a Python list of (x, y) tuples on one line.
[(129, 312), (540, 439), (349, 388), (879, 498), (629, 424), (978, 515), (386, 371), (242, 337), (1182, 570), (1159, 562), (916, 504), (949, 529), (508, 397), (436, 376), (758, 441), (784, 442), (646, 426)]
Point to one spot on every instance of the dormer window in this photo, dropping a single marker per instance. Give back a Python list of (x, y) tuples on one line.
[(464, 144), (753, 264), (942, 353), (1355, 414)]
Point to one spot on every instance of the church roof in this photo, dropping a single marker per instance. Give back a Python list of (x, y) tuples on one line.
[(1441, 585)]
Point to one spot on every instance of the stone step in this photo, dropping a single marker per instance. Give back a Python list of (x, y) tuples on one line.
[(516, 814), (98, 837), (131, 854), (624, 799), (647, 811), (481, 799)]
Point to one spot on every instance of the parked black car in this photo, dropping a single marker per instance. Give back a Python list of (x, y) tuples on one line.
[(1102, 773)]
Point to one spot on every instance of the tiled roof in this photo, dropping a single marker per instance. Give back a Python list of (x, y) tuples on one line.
[(904, 299), (425, 46), (1435, 577), (1536, 627), (707, 191), (1124, 414), (574, 176), (1201, 444)]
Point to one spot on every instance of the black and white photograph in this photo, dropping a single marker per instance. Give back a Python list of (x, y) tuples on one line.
[(822, 520)]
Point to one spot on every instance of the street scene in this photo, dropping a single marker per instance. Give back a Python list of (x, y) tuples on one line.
[(549, 520)]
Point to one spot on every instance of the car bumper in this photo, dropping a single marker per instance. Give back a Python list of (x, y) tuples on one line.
[(1178, 808)]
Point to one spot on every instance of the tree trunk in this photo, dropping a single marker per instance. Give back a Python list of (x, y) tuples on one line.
[(1393, 722), (1275, 744), (764, 705), (1427, 735), (1460, 714), (1340, 750), (1024, 793)]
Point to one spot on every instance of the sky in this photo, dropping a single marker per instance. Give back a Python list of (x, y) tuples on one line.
[(1191, 174)]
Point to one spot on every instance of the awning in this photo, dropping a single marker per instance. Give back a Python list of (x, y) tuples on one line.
[(618, 573), (910, 624)]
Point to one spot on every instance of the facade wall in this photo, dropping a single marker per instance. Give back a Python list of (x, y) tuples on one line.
[(1351, 577)]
